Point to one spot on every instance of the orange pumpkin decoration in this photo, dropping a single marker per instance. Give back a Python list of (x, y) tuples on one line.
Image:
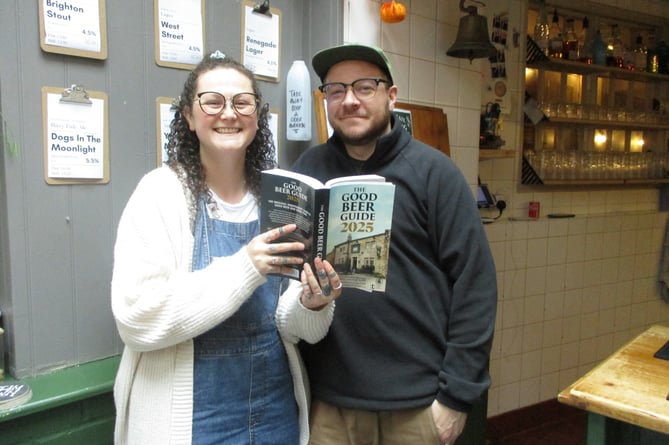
[(393, 12)]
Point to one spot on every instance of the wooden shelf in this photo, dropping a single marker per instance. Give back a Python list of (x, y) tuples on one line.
[(601, 70), (495, 153), (582, 182), (610, 123)]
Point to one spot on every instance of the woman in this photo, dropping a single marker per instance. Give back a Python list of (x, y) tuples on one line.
[(210, 354)]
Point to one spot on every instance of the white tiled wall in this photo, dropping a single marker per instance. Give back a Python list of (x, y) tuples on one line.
[(571, 291), (424, 74)]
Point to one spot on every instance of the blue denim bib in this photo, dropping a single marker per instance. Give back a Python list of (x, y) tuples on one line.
[(242, 386)]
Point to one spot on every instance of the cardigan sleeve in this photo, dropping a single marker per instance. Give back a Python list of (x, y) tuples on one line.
[(296, 322), (157, 300)]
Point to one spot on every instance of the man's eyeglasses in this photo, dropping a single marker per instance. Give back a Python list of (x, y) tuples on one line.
[(212, 103), (364, 89)]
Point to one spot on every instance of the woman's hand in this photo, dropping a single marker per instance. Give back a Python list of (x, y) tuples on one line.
[(269, 257), (320, 288)]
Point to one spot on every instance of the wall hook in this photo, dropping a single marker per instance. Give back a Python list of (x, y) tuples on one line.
[(263, 8)]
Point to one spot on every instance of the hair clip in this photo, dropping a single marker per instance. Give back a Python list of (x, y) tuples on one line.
[(217, 55)]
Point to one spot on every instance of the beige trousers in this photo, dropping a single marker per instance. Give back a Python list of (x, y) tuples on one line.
[(339, 426)]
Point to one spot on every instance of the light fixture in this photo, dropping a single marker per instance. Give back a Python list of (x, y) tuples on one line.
[(472, 40), (600, 140), (636, 141)]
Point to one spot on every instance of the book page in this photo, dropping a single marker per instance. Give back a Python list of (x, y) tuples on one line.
[(354, 179), (308, 180)]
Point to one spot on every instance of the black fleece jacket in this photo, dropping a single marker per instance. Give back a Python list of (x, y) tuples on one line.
[(429, 335)]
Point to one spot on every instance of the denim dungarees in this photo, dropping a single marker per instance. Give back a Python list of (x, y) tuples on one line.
[(242, 385)]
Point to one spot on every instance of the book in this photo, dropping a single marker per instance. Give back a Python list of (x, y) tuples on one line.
[(347, 221), (13, 394)]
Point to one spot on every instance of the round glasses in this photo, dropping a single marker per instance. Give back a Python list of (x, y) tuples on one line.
[(364, 89), (212, 103)]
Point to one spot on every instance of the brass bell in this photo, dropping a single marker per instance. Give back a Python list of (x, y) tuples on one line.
[(472, 41)]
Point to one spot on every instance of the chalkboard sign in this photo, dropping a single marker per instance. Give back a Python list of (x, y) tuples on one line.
[(404, 118)]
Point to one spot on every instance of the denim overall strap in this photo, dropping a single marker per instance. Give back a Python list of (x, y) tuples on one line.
[(243, 390)]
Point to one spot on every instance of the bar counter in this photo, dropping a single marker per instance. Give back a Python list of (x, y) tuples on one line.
[(630, 386)]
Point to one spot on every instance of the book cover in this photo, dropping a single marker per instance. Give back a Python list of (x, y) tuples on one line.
[(346, 221), (14, 394)]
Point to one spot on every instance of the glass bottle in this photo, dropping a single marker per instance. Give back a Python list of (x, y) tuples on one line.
[(298, 102), (570, 44), (662, 51), (598, 49), (542, 29), (652, 58), (614, 48), (640, 54), (585, 43), (556, 37)]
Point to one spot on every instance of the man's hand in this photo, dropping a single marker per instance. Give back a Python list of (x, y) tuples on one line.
[(449, 422)]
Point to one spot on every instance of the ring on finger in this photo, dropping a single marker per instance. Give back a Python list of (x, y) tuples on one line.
[(338, 287)]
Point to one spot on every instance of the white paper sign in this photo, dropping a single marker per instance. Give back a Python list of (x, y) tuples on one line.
[(75, 139), (180, 31), (260, 48), (166, 115), (273, 121), (72, 24)]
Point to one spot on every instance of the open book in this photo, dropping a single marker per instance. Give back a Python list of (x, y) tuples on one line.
[(346, 221)]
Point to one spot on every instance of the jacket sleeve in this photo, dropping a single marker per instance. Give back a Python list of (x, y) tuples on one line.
[(465, 257), (157, 301)]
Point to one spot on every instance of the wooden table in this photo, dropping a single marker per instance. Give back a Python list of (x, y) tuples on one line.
[(631, 386)]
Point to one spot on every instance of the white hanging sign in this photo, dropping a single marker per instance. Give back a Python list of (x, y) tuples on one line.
[(179, 33), (75, 135), (261, 43), (75, 27)]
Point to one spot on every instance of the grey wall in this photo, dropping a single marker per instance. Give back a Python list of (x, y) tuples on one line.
[(57, 240)]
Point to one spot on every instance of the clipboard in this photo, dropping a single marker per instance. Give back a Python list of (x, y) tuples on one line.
[(260, 46), (168, 26), (164, 116), (60, 39), (76, 136), (274, 120)]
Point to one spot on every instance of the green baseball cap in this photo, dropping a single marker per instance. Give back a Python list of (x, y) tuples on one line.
[(325, 59)]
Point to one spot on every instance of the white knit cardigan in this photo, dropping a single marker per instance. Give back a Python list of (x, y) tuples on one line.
[(160, 304)]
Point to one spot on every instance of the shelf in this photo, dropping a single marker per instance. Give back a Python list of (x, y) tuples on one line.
[(495, 153), (581, 182), (601, 70), (610, 123), (604, 168)]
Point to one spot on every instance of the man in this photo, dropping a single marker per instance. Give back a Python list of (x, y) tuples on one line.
[(402, 366)]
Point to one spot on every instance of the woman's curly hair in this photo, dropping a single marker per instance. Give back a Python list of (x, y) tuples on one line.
[(183, 145)]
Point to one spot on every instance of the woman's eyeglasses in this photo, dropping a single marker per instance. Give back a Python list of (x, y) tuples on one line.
[(212, 103)]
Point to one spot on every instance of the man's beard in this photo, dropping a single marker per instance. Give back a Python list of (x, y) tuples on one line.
[(377, 130)]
